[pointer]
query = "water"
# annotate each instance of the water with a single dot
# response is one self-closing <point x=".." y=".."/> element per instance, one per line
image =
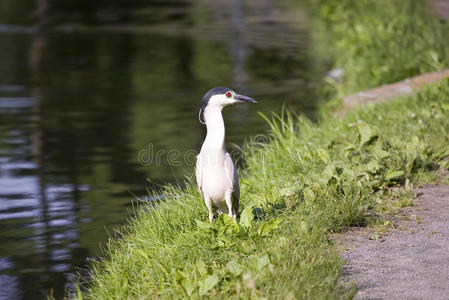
<point x="100" y="101"/>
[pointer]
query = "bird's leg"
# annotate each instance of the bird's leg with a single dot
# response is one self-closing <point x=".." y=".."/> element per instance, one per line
<point x="228" y="198"/>
<point x="208" y="202"/>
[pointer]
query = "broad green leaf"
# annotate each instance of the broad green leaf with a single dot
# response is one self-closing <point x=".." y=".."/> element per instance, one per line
<point x="373" y="166"/>
<point x="188" y="286"/>
<point x="366" y="133"/>
<point x="178" y="274"/>
<point x="309" y="195"/>
<point x="234" y="267"/>
<point x="413" y="147"/>
<point x="205" y="226"/>
<point x="227" y="225"/>
<point x="262" y="262"/>
<point x="330" y="174"/>
<point x="349" y="173"/>
<point x="393" y="174"/>
<point x="433" y="55"/>
<point x="415" y="140"/>
<point x="208" y="283"/>
<point x="290" y="196"/>
<point x="324" y="155"/>
<point x="201" y="267"/>
<point x="247" y="247"/>
<point x="350" y="148"/>
<point x="290" y="202"/>
<point x="223" y="241"/>
<point x="247" y="216"/>
<point x="268" y="226"/>
<point x="380" y="153"/>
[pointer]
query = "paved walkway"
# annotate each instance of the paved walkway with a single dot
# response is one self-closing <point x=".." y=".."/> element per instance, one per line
<point x="412" y="260"/>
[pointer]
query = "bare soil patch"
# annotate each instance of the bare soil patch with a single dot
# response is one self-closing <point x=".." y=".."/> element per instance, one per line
<point x="411" y="261"/>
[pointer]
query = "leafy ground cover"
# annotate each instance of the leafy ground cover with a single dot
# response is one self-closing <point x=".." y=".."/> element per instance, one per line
<point x="309" y="180"/>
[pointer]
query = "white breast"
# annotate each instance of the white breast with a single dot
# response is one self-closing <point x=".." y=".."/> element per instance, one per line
<point x="215" y="182"/>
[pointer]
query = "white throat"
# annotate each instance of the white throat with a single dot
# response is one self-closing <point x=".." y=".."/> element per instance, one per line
<point x="215" y="137"/>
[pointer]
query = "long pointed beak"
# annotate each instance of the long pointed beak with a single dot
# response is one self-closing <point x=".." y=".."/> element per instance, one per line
<point x="243" y="98"/>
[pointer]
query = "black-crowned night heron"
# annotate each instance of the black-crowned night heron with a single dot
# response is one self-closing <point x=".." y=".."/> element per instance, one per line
<point x="216" y="174"/>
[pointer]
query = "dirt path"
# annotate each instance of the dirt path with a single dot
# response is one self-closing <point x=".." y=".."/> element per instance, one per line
<point x="412" y="260"/>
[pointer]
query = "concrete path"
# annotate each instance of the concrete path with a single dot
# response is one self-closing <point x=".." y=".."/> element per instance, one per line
<point x="412" y="260"/>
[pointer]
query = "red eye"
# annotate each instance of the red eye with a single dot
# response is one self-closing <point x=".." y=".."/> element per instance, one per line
<point x="228" y="94"/>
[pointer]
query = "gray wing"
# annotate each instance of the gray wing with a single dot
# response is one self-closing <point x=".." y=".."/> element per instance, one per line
<point x="231" y="174"/>
<point x="199" y="175"/>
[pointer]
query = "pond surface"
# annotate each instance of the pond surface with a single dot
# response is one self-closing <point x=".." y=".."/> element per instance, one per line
<point x="96" y="98"/>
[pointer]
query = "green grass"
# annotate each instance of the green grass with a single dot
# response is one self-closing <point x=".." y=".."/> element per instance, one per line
<point x="308" y="181"/>
<point x="381" y="41"/>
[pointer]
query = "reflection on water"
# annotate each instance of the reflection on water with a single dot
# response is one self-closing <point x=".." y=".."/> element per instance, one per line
<point x="87" y="88"/>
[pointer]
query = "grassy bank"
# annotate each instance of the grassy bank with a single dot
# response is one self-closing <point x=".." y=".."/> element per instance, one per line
<point x="378" y="42"/>
<point x="309" y="180"/>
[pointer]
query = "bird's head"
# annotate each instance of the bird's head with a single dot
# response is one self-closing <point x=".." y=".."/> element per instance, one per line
<point x="220" y="97"/>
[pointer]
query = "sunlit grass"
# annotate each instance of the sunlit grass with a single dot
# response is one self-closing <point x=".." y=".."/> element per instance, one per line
<point x="309" y="180"/>
<point x="382" y="41"/>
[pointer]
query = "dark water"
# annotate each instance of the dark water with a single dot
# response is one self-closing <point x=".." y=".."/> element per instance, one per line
<point x="99" y="100"/>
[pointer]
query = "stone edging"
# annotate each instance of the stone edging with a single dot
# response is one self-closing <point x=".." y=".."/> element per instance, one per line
<point x="393" y="90"/>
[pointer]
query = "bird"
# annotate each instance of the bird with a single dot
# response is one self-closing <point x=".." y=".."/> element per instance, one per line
<point x="216" y="174"/>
